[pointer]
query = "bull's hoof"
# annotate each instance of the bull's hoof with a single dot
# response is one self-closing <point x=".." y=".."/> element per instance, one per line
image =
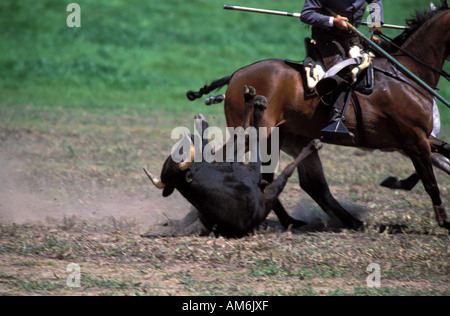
<point x="316" y="144"/>
<point x="260" y="102"/>
<point x="249" y="92"/>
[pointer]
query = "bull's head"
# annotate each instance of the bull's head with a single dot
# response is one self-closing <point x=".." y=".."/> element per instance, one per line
<point x="172" y="172"/>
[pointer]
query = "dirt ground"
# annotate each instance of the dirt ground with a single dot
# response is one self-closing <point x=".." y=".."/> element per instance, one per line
<point x="72" y="191"/>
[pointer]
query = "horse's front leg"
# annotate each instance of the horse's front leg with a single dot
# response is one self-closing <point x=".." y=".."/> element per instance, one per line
<point x="312" y="180"/>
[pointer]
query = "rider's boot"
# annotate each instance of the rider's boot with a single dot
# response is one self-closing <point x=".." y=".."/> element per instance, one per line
<point x="336" y="131"/>
<point x="337" y="107"/>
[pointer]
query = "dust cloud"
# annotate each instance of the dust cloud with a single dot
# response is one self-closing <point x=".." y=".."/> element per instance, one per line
<point x="22" y="203"/>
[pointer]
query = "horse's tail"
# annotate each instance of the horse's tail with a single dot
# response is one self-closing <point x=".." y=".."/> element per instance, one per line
<point x="216" y="84"/>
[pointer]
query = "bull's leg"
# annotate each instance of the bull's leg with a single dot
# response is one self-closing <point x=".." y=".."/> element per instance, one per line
<point x="272" y="189"/>
<point x="420" y="154"/>
<point x="312" y="180"/>
<point x="249" y="96"/>
<point x="249" y="101"/>
<point x="260" y="105"/>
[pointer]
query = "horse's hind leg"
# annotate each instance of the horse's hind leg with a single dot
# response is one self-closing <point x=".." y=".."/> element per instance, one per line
<point x="441" y="154"/>
<point x="440" y="158"/>
<point x="420" y="155"/>
<point x="407" y="184"/>
<point x="312" y="180"/>
<point x="441" y="162"/>
<point x="439" y="146"/>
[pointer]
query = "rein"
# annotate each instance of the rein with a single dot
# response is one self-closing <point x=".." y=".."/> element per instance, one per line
<point x="395" y="74"/>
<point x="390" y="41"/>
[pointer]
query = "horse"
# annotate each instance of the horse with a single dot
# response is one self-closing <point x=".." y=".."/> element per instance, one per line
<point x="396" y="116"/>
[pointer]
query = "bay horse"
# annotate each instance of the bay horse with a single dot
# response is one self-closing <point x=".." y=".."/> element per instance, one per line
<point x="397" y="115"/>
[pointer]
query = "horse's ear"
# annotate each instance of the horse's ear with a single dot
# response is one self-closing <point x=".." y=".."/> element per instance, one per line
<point x="432" y="6"/>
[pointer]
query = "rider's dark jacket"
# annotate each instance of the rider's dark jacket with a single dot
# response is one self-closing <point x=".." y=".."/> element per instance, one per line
<point x="315" y="14"/>
<point x="332" y="42"/>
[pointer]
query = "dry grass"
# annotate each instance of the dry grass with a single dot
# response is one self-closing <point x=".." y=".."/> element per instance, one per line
<point x="34" y="261"/>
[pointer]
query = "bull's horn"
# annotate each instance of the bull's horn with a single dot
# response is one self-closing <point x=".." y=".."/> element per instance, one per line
<point x="156" y="182"/>
<point x="184" y="165"/>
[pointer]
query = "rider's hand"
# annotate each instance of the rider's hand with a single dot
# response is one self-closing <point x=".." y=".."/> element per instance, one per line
<point x="376" y="40"/>
<point x="377" y="30"/>
<point x="340" y="22"/>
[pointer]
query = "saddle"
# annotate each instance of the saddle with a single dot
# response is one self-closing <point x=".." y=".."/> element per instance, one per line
<point x="329" y="81"/>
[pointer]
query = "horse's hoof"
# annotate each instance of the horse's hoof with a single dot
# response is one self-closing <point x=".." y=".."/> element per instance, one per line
<point x="297" y="224"/>
<point x="357" y="225"/>
<point x="445" y="224"/>
<point x="390" y="182"/>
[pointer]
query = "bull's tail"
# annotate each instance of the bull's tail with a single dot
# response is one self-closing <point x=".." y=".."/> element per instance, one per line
<point x="216" y="84"/>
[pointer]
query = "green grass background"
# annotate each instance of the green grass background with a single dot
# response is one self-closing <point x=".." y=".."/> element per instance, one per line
<point x="145" y="54"/>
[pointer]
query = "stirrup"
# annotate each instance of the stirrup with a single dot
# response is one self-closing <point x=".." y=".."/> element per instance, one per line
<point x="337" y="133"/>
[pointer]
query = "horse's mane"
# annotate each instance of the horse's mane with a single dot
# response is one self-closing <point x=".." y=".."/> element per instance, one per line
<point x="415" y="22"/>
